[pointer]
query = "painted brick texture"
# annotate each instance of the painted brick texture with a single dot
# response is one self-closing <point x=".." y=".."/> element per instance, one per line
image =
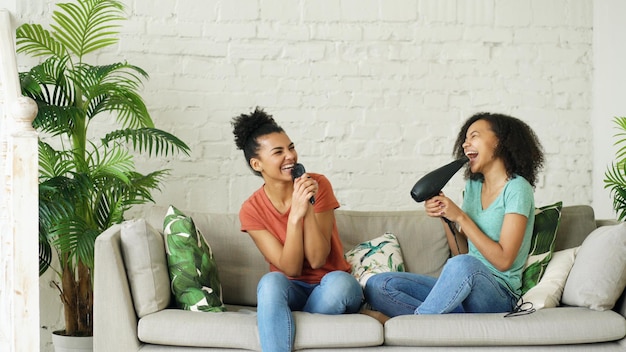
<point x="372" y="92"/>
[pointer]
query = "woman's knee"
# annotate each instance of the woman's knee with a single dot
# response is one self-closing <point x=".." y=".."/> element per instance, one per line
<point x="463" y="265"/>
<point x="340" y="281"/>
<point x="272" y="282"/>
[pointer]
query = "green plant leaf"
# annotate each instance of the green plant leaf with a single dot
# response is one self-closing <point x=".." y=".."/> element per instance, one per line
<point x="615" y="175"/>
<point x="33" y="39"/>
<point x="88" y="25"/>
<point x="150" y="140"/>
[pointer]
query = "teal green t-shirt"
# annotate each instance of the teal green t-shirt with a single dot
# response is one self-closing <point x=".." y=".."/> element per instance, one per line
<point x="516" y="197"/>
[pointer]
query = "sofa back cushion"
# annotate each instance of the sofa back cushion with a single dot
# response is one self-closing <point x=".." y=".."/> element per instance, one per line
<point x="146" y="266"/>
<point x="240" y="264"/>
<point x="422" y="240"/>
<point x="577" y="221"/>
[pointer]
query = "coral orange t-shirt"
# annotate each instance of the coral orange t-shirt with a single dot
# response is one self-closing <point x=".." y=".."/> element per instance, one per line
<point x="258" y="213"/>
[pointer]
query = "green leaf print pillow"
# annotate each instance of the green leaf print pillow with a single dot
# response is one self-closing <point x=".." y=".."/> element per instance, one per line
<point x="193" y="271"/>
<point x="379" y="255"/>
<point x="547" y="221"/>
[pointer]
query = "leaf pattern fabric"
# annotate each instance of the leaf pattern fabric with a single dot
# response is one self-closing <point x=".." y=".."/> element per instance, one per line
<point x="193" y="271"/>
<point x="381" y="254"/>
<point x="547" y="221"/>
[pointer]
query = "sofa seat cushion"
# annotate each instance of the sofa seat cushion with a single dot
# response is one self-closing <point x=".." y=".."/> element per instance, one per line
<point x="550" y="326"/>
<point x="177" y="327"/>
<point x="236" y="328"/>
<point x="336" y="331"/>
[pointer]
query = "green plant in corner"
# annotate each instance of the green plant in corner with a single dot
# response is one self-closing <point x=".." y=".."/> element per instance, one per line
<point x="615" y="176"/>
<point x="86" y="182"/>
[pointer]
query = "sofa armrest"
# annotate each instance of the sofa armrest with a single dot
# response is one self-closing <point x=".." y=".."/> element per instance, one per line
<point x="606" y="222"/>
<point x="114" y="320"/>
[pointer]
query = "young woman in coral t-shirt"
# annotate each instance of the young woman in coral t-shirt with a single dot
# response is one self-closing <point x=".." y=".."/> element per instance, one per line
<point x="298" y="237"/>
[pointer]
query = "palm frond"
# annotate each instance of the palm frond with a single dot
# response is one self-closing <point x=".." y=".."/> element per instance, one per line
<point x="615" y="175"/>
<point x="45" y="253"/>
<point x="621" y="141"/>
<point x="110" y="162"/>
<point x="50" y="74"/>
<point x="53" y="163"/>
<point x="117" y="197"/>
<point x="65" y="235"/>
<point x="114" y="88"/>
<point x="33" y="39"/>
<point x="48" y="84"/>
<point x="149" y="140"/>
<point x="56" y="120"/>
<point x="615" y="181"/>
<point x="85" y="245"/>
<point x="88" y="25"/>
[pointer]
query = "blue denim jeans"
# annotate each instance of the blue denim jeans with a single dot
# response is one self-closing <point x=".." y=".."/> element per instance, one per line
<point x="277" y="296"/>
<point x="465" y="285"/>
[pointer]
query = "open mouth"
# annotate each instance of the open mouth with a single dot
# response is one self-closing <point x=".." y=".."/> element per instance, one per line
<point x="471" y="155"/>
<point x="287" y="167"/>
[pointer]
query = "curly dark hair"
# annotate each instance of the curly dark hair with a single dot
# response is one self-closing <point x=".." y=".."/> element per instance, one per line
<point x="248" y="127"/>
<point x="518" y="146"/>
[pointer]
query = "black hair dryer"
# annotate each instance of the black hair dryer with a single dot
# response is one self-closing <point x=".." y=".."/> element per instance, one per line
<point x="432" y="183"/>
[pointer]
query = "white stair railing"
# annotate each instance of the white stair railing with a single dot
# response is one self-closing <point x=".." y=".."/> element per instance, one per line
<point x="19" y="264"/>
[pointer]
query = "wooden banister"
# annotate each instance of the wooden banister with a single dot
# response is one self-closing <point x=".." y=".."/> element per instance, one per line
<point x="19" y="264"/>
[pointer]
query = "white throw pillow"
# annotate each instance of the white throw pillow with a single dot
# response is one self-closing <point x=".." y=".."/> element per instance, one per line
<point x="382" y="254"/>
<point x="598" y="276"/>
<point x="146" y="266"/>
<point x="547" y="293"/>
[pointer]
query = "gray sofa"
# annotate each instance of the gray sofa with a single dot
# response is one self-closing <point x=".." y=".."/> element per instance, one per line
<point x="118" y="328"/>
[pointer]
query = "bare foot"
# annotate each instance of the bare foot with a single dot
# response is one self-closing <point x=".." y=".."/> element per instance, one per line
<point x="376" y="315"/>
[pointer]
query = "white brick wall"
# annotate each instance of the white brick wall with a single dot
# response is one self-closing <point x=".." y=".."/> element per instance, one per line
<point x="372" y="92"/>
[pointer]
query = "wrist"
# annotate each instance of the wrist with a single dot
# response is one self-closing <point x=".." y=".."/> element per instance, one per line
<point x="295" y="220"/>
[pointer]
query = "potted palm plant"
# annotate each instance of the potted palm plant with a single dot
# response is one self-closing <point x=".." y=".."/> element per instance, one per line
<point x="86" y="182"/>
<point x="615" y="176"/>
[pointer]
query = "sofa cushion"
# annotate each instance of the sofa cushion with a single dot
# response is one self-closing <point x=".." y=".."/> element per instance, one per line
<point x="193" y="271"/>
<point x="547" y="293"/>
<point x="237" y="329"/>
<point x="146" y="266"/>
<point x="547" y="221"/>
<point x="598" y="276"/>
<point x="175" y="327"/>
<point x="552" y="326"/>
<point x="381" y="254"/>
<point x="577" y="221"/>
<point x="321" y="331"/>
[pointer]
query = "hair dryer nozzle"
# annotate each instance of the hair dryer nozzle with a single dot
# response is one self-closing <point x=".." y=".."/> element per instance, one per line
<point x="432" y="183"/>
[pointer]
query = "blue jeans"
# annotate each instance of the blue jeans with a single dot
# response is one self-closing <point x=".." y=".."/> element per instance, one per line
<point x="465" y="285"/>
<point x="277" y="296"/>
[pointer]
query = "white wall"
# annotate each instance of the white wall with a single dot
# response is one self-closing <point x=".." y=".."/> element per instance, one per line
<point x="372" y="92"/>
<point x="609" y="53"/>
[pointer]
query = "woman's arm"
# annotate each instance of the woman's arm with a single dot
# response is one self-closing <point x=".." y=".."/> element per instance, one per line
<point x="433" y="208"/>
<point x="458" y="243"/>
<point x="314" y="247"/>
<point x="289" y="257"/>
<point x="500" y="254"/>
<point x="318" y="229"/>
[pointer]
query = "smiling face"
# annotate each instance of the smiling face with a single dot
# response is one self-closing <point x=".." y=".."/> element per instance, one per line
<point x="276" y="156"/>
<point x="479" y="146"/>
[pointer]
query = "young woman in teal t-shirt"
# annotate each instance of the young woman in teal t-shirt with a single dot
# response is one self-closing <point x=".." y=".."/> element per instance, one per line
<point x="495" y="227"/>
